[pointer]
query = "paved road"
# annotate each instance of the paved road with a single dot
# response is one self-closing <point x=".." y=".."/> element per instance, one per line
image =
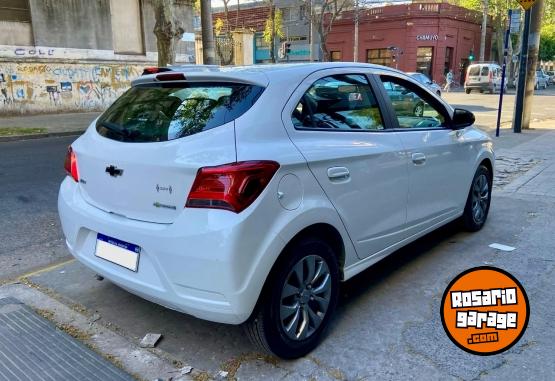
<point x="485" y="106"/>
<point x="30" y="174"/>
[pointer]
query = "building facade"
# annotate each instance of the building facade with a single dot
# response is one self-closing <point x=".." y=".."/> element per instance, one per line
<point x="296" y="29"/>
<point x="76" y="55"/>
<point x="430" y="38"/>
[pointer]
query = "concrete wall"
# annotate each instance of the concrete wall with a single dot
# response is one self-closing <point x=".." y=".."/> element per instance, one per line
<point x="16" y="33"/>
<point x="35" y="87"/>
<point x="83" y="24"/>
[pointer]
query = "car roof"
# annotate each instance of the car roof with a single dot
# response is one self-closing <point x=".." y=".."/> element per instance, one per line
<point x="258" y="74"/>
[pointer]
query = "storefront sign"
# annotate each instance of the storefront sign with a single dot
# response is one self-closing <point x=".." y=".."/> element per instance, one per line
<point x="427" y="37"/>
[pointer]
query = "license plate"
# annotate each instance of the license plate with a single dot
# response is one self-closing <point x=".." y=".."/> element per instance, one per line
<point x="116" y="251"/>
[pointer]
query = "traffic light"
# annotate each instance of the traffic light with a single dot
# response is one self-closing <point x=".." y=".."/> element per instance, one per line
<point x="287" y="48"/>
<point x="471" y="56"/>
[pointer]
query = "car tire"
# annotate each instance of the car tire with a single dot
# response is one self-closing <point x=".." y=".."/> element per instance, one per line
<point x="438" y="93"/>
<point x="467" y="91"/>
<point x="478" y="201"/>
<point x="419" y="109"/>
<point x="313" y="307"/>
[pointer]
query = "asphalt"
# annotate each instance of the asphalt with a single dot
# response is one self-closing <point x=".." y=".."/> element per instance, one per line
<point x="30" y="175"/>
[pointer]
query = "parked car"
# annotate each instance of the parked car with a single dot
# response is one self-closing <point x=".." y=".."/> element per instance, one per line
<point x="246" y="195"/>
<point x="425" y="80"/>
<point x="551" y="75"/>
<point x="541" y="81"/>
<point x="483" y="77"/>
<point x="403" y="101"/>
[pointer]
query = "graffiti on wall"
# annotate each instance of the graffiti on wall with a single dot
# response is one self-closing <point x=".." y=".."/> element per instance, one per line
<point x="44" y="87"/>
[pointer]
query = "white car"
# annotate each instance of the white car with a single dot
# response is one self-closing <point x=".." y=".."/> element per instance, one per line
<point x="246" y="195"/>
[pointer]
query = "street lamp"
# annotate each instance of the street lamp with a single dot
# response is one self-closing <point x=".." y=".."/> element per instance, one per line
<point x="395" y="53"/>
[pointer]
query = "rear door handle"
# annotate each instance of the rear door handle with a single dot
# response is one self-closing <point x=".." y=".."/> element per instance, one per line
<point x="338" y="173"/>
<point x="418" y="158"/>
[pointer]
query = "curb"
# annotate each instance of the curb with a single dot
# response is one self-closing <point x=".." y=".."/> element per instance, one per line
<point x="13" y="138"/>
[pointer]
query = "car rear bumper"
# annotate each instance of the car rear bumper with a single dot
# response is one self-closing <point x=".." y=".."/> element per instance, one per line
<point x="203" y="264"/>
<point x="479" y="86"/>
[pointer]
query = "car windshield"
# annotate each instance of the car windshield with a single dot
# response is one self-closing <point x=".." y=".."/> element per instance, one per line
<point x="161" y="112"/>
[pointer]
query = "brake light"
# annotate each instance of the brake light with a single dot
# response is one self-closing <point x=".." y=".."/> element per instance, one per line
<point x="232" y="186"/>
<point x="70" y="164"/>
<point x="170" y="77"/>
<point x="154" y="70"/>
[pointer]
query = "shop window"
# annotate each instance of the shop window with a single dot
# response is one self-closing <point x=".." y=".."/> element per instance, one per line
<point x="335" y="56"/>
<point x="424" y="59"/>
<point x="379" y="56"/>
<point x="127" y="31"/>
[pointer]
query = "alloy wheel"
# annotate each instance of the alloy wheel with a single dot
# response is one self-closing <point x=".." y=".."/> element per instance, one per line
<point x="305" y="297"/>
<point x="480" y="198"/>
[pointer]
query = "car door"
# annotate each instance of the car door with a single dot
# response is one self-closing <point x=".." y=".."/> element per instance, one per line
<point x="335" y="121"/>
<point x="438" y="157"/>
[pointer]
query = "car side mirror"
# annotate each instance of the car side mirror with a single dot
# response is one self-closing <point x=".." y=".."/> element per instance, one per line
<point x="462" y="118"/>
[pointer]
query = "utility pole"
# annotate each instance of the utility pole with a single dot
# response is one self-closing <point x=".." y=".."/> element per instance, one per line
<point x="355" y="47"/>
<point x="208" y="45"/>
<point x="533" y="50"/>
<point x="484" y="30"/>
<point x="311" y="37"/>
<point x="519" y="102"/>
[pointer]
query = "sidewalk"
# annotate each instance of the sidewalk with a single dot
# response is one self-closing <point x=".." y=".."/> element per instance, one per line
<point x="44" y="125"/>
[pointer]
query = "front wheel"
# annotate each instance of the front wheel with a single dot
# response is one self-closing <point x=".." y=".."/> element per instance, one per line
<point x="298" y="300"/>
<point x="478" y="201"/>
<point x="467" y="91"/>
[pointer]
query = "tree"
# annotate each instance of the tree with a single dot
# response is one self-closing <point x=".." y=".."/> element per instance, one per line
<point x="208" y="45"/>
<point x="273" y="28"/>
<point x="547" y="43"/>
<point x="168" y="30"/>
<point x="322" y="18"/>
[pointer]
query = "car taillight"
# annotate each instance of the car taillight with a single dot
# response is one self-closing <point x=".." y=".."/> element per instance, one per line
<point x="230" y="186"/>
<point x="490" y="77"/>
<point x="70" y="164"/>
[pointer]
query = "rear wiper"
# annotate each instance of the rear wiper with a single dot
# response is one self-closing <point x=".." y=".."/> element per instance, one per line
<point x="112" y="127"/>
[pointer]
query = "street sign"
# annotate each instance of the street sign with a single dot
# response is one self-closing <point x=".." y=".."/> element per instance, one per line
<point x="526" y="4"/>
<point x="515" y="21"/>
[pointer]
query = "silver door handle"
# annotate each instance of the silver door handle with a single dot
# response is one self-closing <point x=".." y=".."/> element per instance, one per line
<point x="418" y="158"/>
<point x="338" y="173"/>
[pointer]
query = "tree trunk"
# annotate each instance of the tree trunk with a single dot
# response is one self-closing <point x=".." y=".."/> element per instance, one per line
<point x="168" y="31"/>
<point x="323" y="36"/>
<point x="208" y="46"/>
<point x="272" y="17"/>
<point x="533" y="50"/>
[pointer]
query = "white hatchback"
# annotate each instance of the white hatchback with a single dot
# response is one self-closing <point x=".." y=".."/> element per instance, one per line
<point x="246" y="195"/>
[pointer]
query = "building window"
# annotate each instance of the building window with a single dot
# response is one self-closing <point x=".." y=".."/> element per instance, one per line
<point x="127" y="30"/>
<point x="335" y="56"/>
<point x="15" y="10"/>
<point x="424" y="59"/>
<point x="379" y="56"/>
<point x="15" y="23"/>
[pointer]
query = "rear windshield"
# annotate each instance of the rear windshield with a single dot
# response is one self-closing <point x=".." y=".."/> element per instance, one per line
<point x="161" y="112"/>
<point x="474" y="70"/>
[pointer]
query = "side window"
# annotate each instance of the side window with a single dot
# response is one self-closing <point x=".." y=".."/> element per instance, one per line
<point x="411" y="105"/>
<point x="343" y="102"/>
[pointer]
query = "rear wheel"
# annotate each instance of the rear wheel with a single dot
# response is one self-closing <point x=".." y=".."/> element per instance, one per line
<point x="419" y="109"/>
<point x="467" y="91"/>
<point x="478" y="201"/>
<point x="298" y="301"/>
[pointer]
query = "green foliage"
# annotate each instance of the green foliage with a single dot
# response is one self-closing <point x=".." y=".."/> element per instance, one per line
<point x="547" y="43"/>
<point x="218" y="26"/>
<point x="273" y="28"/>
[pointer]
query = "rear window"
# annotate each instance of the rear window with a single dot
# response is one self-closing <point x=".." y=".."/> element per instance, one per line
<point x="474" y="70"/>
<point x="168" y="111"/>
<point x="485" y="71"/>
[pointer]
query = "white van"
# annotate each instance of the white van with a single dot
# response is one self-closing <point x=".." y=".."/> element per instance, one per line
<point x="483" y="77"/>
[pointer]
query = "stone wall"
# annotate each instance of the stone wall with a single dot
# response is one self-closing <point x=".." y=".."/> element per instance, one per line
<point x="40" y="87"/>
